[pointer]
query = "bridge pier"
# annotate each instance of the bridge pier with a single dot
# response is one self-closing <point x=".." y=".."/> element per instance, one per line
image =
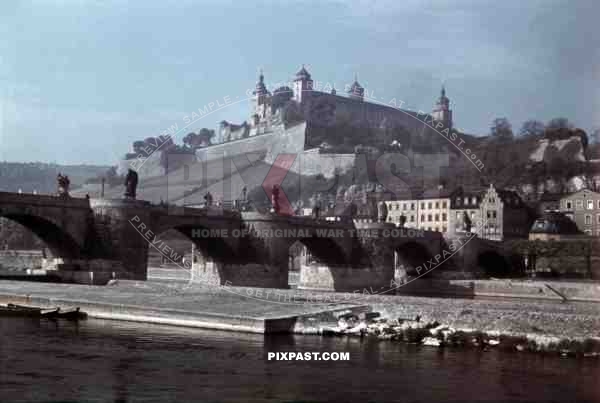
<point x="123" y="228"/>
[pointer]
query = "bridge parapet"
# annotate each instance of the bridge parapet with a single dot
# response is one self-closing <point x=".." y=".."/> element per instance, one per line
<point x="43" y="200"/>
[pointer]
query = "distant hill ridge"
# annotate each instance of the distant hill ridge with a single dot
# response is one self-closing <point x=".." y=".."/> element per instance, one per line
<point x="41" y="177"/>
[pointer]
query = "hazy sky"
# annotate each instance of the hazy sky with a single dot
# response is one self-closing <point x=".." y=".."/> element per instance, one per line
<point x="80" y="80"/>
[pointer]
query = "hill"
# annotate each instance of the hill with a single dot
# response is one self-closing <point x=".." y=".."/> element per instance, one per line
<point x="41" y="177"/>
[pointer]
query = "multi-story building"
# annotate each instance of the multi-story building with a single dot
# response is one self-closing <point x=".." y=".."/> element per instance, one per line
<point x="583" y="207"/>
<point x="491" y="213"/>
<point x="429" y="211"/>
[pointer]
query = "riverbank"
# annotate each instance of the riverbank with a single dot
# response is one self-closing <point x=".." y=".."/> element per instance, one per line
<point x="542" y="325"/>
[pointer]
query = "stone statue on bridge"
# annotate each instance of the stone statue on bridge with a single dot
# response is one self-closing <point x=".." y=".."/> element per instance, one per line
<point x="131" y="182"/>
<point x="315" y="202"/>
<point x="63" y="185"/>
<point x="275" y="199"/>
<point x="208" y="199"/>
<point x="382" y="211"/>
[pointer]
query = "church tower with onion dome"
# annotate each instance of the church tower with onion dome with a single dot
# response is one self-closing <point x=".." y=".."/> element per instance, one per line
<point x="442" y="112"/>
<point x="262" y="110"/>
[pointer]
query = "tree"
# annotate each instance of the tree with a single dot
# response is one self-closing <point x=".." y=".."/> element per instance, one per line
<point x="201" y="139"/>
<point x="532" y="128"/>
<point x="559" y="123"/>
<point x="502" y="129"/>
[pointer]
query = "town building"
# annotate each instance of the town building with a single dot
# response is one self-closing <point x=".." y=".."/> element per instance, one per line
<point x="494" y="214"/>
<point x="429" y="211"/>
<point x="583" y="207"/>
<point x="553" y="226"/>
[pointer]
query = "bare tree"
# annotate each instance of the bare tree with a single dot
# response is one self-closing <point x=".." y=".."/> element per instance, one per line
<point x="560" y="123"/>
<point x="532" y="128"/>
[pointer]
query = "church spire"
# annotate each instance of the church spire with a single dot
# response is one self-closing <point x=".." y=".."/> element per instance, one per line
<point x="260" y="88"/>
<point x="442" y="112"/>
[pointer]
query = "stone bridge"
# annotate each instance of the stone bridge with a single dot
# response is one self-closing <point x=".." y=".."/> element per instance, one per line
<point x="93" y="240"/>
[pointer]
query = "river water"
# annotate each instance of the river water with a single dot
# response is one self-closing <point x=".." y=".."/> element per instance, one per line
<point x="109" y="361"/>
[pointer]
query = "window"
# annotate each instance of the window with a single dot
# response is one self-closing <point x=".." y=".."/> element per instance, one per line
<point x="445" y="217"/>
<point x="472" y="214"/>
<point x="403" y="206"/>
<point x="437" y="217"/>
<point x="412" y="218"/>
<point x="579" y="204"/>
<point x="458" y="215"/>
<point x="429" y="205"/>
<point x="445" y="205"/>
<point x="599" y="204"/>
<point x="423" y="205"/>
<point x="429" y="217"/>
<point x="474" y="200"/>
<point x="569" y="204"/>
<point x="457" y="201"/>
<point x="590" y="204"/>
<point x="598" y="218"/>
<point x="437" y="204"/>
<point x="466" y="200"/>
<point x="412" y="206"/>
<point x="588" y="219"/>
<point x="422" y="217"/>
<point x="444" y="229"/>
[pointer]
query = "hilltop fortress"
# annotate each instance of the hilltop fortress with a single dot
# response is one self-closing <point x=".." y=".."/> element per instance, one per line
<point x="326" y="109"/>
<point x="301" y="120"/>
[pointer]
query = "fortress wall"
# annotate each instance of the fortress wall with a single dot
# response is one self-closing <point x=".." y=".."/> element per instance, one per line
<point x="278" y="141"/>
<point x="367" y="113"/>
<point x="311" y="163"/>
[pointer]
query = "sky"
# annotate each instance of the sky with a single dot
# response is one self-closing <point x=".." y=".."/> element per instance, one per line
<point x="81" y="80"/>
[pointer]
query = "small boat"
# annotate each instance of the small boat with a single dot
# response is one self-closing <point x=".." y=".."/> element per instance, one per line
<point x="15" y="310"/>
<point x="74" y="314"/>
<point x="52" y="313"/>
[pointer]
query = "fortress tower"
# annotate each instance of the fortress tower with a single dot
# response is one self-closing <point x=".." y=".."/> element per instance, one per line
<point x="261" y="100"/>
<point x="303" y="85"/>
<point x="356" y="91"/>
<point x="442" y="112"/>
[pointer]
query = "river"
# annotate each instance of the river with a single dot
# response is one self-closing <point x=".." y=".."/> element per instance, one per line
<point x="109" y="361"/>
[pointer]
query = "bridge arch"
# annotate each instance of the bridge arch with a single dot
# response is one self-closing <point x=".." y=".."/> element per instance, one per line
<point x="412" y="259"/>
<point x="171" y="246"/>
<point x="322" y="250"/>
<point x="60" y="242"/>
<point x="493" y="264"/>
